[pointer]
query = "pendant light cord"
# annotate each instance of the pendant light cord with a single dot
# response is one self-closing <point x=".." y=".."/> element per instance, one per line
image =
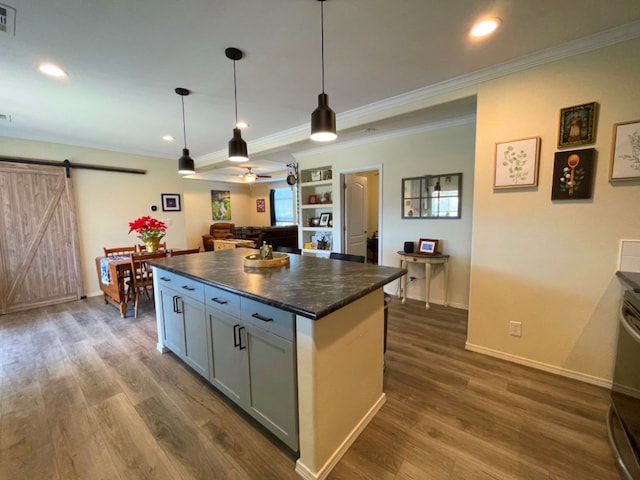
<point x="322" y="38"/>
<point x="184" y="125"/>
<point x="235" y="92"/>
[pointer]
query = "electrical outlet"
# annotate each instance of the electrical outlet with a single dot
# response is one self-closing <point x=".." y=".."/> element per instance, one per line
<point x="515" y="329"/>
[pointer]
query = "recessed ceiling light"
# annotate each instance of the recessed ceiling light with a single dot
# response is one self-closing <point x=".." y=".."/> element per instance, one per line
<point x="168" y="138"/>
<point x="242" y="125"/>
<point x="485" y="27"/>
<point x="52" y="70"/>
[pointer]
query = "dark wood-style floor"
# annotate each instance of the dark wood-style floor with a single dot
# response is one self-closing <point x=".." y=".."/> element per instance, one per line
<point x="85" y="395"/>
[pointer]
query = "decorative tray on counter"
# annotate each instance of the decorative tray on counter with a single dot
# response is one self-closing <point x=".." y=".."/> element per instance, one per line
<point x="254" y="260"/>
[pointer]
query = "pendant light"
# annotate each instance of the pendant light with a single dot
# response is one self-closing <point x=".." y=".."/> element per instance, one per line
<point x="186" y="164"/>
<point x="237" y="146"/>
<point x="323" y="119"/>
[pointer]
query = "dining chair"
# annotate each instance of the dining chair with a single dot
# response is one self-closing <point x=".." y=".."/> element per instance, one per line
<point x="347" y="257"/>
<point x="186" y="251"/>
<point x="161" y="247"/>
<point x="142" y="276"/>
<point x="119" y="251"/>
<point x="283" y="249"/>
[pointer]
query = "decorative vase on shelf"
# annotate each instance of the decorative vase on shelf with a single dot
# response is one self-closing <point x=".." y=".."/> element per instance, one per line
<point x="152" y="244"/>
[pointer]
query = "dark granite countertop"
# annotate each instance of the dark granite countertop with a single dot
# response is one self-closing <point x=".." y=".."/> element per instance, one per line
<point x="631" y="278"/>
<point x="309" y="286"/>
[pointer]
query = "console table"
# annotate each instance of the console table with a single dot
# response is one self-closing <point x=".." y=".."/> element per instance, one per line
<point x="428" y="260"/>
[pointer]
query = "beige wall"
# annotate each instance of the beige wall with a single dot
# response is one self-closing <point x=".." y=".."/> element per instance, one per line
<point x="445" y="150"/>
<point x="551" y="265"/>
<point x="107" y="201"/>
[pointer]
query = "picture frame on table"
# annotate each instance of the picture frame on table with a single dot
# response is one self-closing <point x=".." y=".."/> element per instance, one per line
<point x="324" y="219"/>
<point x="428" y="246"/>
<point x="170" y="202"/>
<point x="517" y="163"/>
<point x="625" y="152"/>
<point x="577" y="125"/>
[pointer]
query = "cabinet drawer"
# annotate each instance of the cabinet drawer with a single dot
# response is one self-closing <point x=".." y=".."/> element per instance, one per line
<point x="269" y="318"/>
<point x="182" y="285"/>
<point x="222" y="300"/>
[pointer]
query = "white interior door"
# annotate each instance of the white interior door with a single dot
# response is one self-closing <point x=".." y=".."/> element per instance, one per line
<point x="355" y="214"/>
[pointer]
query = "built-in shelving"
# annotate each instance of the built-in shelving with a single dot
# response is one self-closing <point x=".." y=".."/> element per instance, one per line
<point x="316" y="210"/>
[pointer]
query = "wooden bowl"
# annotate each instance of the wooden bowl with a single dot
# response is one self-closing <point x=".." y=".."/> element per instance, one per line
<point x="278" y="260"/>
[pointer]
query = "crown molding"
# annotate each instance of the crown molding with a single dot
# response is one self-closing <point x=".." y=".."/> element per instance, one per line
<point x="379" y="110"/>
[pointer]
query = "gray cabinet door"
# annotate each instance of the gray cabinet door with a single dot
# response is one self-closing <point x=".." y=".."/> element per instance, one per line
<point x="172" y="322"/>
<point x="196" y="351"/>
<point x="273" y="388"/>
<point x="230" y="371"/>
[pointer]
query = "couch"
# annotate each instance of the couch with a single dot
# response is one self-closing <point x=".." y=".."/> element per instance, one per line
<point x="286" y="236"/>
<point x="217" y="231"/>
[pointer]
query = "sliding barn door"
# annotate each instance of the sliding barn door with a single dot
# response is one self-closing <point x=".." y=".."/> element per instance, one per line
<point x="39" y="248"/>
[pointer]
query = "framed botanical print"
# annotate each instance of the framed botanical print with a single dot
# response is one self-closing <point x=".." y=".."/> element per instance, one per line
<point x="516" y="163"/>
<point x="625" y="151"/>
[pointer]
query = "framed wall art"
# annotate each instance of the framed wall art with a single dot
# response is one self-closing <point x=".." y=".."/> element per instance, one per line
<point x="625" y="151"/>
<point x="428" y="246"/>
<point x="260" y="205"/>
<point x="220" y="205"/>
<point x="170" y="202"/>
<point x="517" y="163"/>
<point x="577" y="125"/>
<point x="573" y="173"/>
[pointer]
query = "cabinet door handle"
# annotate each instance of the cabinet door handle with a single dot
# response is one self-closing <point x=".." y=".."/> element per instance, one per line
<point x="187" y="287"/>
<point x="263" y="318"/>
<point x="240" y="338"/>
<point x="236" y="342"/>
<point x="179" y="304"/>
<point x="175" y="304"/>
<point x="217" y="300"/>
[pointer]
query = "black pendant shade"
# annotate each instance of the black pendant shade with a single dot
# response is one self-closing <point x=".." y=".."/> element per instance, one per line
<point x="323" y="119"/>
<point x="237" y="146"/>
<point x="186" y="165"/>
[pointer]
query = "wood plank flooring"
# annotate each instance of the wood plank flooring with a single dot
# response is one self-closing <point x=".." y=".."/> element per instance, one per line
<point x="85" y="395"/>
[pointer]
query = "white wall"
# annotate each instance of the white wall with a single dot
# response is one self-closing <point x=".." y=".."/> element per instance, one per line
<point x="551" y="265"/>
<point x="445" y="150"/>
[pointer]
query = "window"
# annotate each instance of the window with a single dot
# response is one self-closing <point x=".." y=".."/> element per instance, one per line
<point x="284" y="206"/>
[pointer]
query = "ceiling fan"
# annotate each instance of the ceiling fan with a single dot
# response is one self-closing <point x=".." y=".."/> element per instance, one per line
<point x="251" y="176"/>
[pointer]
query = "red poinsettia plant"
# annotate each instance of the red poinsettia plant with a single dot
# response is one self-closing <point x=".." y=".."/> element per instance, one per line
<point x="147" y="228"/>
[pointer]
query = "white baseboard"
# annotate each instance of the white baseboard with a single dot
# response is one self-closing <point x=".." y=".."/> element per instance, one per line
<point x="583" y="377"/>
<point x="307" y="474"/>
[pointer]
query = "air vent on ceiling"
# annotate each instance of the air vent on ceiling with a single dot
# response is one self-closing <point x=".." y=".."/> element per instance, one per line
<point x="7" y="19"/>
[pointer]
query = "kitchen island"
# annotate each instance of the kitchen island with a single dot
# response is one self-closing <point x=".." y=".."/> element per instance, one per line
<point x="317" y="321"/>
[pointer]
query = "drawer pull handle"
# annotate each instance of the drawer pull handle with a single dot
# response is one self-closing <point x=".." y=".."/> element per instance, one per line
<point x="217" y="300"/>
<point x="187" y="287"/>
<point x="260" y="317"/>
<point x="165" y="279"/>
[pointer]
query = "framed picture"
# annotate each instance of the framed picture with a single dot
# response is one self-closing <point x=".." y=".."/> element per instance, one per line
<point x="313" y="199"/>
<point x="260" y="205"/>
<point x="577" y="125"/>
<point x="573" y="173"/>
<point x="428" y="246"/>
<point x="324" y="219"/>
<point x="170" y="202"/>
<point x="220" y="205"/>
<point x="316" y="175"/>
<point x="625" y="151"/>
<point x="516" y="163"/>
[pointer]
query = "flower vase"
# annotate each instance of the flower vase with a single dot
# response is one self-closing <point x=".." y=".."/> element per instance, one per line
<point x="151" y="244"/>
